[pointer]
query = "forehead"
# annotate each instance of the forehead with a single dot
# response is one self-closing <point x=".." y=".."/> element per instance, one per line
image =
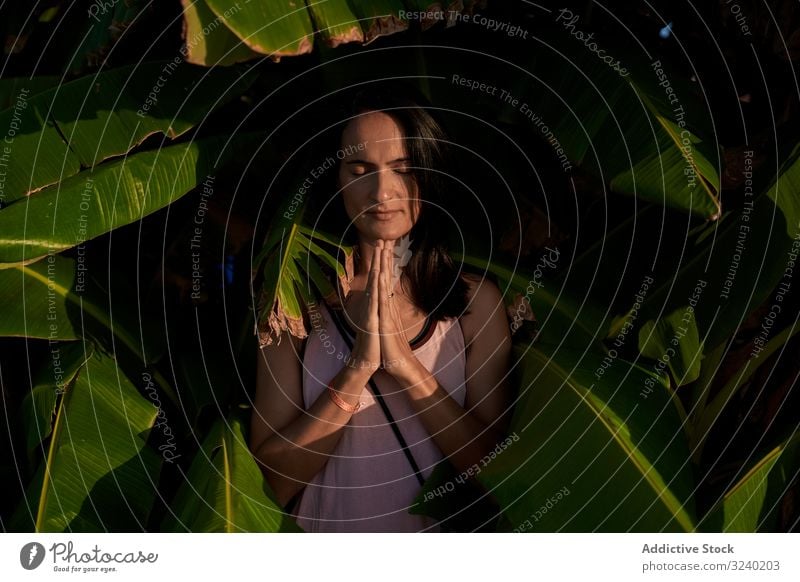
<point x="381" y="136"/>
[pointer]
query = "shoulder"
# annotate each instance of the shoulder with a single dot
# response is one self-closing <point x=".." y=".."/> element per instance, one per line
<point x="481" y="291"/>
<point x="282" y="345"/>
<point x="485" y="308"/>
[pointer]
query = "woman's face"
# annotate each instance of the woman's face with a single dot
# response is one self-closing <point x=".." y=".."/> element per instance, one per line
<point x="379" y="191"/>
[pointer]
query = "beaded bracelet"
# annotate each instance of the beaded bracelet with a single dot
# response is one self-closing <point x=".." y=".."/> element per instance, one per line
<point x="337" y="400"/>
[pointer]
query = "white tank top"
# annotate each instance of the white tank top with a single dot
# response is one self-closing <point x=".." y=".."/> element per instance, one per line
<point x="368" y="484"/>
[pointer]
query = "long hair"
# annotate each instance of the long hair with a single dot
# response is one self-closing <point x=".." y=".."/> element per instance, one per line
<point x="434" y="281"/>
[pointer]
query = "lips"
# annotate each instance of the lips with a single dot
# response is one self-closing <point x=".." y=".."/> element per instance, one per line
<point x="382" y="214"/>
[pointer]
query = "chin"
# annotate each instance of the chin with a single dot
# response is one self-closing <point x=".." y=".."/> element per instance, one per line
<point x="386" y="231"/>
<point x="392" y="232"/>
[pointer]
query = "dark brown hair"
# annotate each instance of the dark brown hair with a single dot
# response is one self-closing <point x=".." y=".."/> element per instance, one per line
<point x="434" y="281"/>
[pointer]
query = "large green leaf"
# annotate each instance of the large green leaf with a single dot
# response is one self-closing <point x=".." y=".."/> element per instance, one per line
<point x="270" y="27"/>
<point x="53" y="300"/>
<point x="35" y="300"/>
<point x="613" y="446"/>
<point x="225" y="490"/>
<point x="708" y="415"/>
<point x="38" y="408"/>
<point x="336" y="22"/>
<point x="290" y="263"/>
<point x="615" y="268"/>
<point x="98" y="473"/>
<point x="207" y="41"/>
<point x="111" y="195"/>
<point x="734" y="263"/>
<point x="21" y="88"/>
<point x="741" y="264"/>
<point x="78" y="124"/>
<point x="752" y="504"/>
<point x="783" y="191"/>
<point x="379" y="17"/>
<point x="562" y="317"/>
<point x="674" y="343"/>
<point x="227" y="31"/>
<point x="622" y="128"/>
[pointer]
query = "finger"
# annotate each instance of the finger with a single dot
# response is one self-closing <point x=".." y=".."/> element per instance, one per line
<point x="382" y="290"/>
<point x="386" y="273"/>
<point x="390" y="316"/>
<point x="372" y="282"/>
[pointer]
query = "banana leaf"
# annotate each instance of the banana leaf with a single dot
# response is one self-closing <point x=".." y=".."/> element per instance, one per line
<point x="621" y="128"/>
<point x="753" y="503"/>
<point x="111" y="195"/>
<point x="379" y="17"/>
<point x="290" y="266"/>
<point x="695" y="255"/>
<point x="35" y="300"/>
<point x="225" y="490"/>
<point x="674" y="339"/>
<point x="292" y="276"/>
<point x="711" y="412"/>
<point x="562" y="318"/>
<point x="50" y="300"/>
<point x="77" y="125"/>
<point x="271" y="27"/>
<point x="13" y="88"/>
<point x="728" y="299"/>
<point x="613" y="447"/>
<point x="336" y="22"/>
<point x="214" y="29"/>
<point x="38" y="408"/>
<point x="98" y="473"/>
<point x="207" y="42"/>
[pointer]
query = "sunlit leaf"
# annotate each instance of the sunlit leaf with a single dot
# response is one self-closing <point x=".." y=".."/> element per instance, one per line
<point x="613" y="446"/>
<point x="98" y="472"/>
<point x="674" y="340"/>
<point x="225" y="490"/>
<point x="78" y="124"/>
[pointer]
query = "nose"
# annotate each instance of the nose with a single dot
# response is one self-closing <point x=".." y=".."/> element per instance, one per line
<point x="383" y="186"/>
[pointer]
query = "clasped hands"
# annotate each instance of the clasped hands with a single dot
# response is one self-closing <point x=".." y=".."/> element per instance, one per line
<point x="381" y="341"/>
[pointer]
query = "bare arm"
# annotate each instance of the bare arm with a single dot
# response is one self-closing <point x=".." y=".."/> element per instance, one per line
<point x="292" y="445"/>
<point x="466" y="435"/>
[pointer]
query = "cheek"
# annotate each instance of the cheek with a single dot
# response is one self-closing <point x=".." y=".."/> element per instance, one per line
<point x="414" y="203"/>
<point x="351" y="198"/>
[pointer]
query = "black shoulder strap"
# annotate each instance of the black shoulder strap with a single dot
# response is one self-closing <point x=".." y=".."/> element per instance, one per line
<point x="379" y="397"/>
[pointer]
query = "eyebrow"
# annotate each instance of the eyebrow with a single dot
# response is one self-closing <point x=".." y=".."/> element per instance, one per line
<point x="360" y="161"/>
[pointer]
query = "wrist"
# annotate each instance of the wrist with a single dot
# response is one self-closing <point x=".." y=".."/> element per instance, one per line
<point x="354" y="374"/>
<point x="343" y="400"/>
<point x="355" y="362"/>
<point x="408" y="371"/>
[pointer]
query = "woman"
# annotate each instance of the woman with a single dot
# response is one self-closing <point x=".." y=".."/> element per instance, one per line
<point x="320" y="434"/>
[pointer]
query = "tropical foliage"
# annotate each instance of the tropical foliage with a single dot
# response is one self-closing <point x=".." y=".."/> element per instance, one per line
<point x="149" y="225"/>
